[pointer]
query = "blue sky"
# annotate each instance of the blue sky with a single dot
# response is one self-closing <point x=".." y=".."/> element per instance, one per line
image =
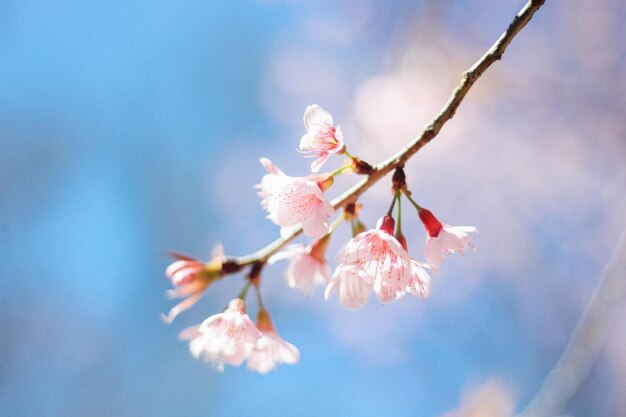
<point x="128" y="129"/>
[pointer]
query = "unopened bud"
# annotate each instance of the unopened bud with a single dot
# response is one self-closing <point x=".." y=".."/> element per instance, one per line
<point x="351" y="211"/>
<point x="325" y="181"/>
<point x="360" y="227"/>
<point x="318" y="249"/>
<point x="264" y="322"/>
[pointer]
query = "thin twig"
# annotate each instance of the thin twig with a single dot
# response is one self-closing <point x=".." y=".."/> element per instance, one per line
<point x="429" y="133"/>
<point x="586" y="342"/>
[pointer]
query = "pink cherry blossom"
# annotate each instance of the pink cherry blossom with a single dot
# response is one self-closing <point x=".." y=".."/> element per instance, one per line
<point x="296" y="201"/>
<point x="307" y="265"/>
<point x="270" y="350"/>
<point x="419" y="281"/>
<point x="443" y="239"/>
<point x="226" y="337"/>
<point x="190" y="279"/>
<point x="271" y="185"/>
<point x="352" y="285"/>
<point x="322" y="138"/>
<point x="372" y="259"/>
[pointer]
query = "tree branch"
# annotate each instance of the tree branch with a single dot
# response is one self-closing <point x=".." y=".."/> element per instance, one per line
<point x="429" y="133"/>
<point x="586" y="342"/>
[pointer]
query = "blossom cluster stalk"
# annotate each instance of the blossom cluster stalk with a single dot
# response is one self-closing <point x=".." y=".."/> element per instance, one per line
<point x="373" y="261"/>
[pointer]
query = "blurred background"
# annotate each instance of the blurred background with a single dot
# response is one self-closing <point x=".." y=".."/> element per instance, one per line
<point x="128" y="129"/>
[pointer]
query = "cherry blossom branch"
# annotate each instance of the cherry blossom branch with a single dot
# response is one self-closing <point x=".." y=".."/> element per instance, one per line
<point x="429" y="133"/>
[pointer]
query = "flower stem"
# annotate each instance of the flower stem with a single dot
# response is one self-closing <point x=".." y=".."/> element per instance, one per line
<point x="399" y="222"/>
<point x="417" y="206"/>
<point x="259" y="298"/>
<point x="244" y="291"/>
<point x="393" y="203"/>
<point x="339" y="170"/>
<point x="353" y="226"/>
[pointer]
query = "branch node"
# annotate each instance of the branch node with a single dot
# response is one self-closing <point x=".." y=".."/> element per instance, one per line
<point x="361" y="167"/>
<point x="231" y="266"/>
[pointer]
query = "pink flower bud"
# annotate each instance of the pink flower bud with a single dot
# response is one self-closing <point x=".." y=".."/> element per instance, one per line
<point x="190" y="278"/>
<point x="183" y="271"/>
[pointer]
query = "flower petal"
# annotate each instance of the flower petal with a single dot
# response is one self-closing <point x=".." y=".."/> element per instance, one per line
<point x="419" y="284"/>
<point x="319" y="162"/>
<point x="218" y="251"/>
<point x="180" y="307"/>
<point x="351" y="285"/>
<point x="270" y="167"/>
<point x="315" y="116"/>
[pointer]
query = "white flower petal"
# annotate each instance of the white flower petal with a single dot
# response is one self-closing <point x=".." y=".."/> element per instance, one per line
<point x="319" y="162"/>
<point x="351" y="285"/>
<point x="315" y="116"/>
<point x="270" y="167"/>
<point x="419" y="284"/>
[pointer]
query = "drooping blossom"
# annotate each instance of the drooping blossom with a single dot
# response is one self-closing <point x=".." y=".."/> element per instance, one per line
<point x="296" y="201"/>
<point x="372" y="259"/>
<point x="322" y="139"/>
<point x="419" y="281"/>
<point x="307" y="264"/>
<point x="270" y="349"/>
<point x="352" y="285"/>
<point x="418" y="284"/>
<point x="190" y="279"/>
<point x="443" y="239"/>
<point x="226" y="337"/>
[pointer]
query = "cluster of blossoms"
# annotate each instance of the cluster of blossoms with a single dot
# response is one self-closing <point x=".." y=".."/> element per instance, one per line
<point x="374" y="260"/>
<point x="231" y="337"/>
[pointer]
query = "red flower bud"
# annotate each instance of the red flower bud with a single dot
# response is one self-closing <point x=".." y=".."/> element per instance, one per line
<point x="432" y="225"/>
<point x="386" y="223"/>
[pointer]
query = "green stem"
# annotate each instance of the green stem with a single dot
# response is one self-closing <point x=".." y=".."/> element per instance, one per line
<point x="417" y="206"/>
<point x="399" y="222"/>
<point x="339" y="170"/>
<point x="348" y="154"/>
<point x="244" y="291"/>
